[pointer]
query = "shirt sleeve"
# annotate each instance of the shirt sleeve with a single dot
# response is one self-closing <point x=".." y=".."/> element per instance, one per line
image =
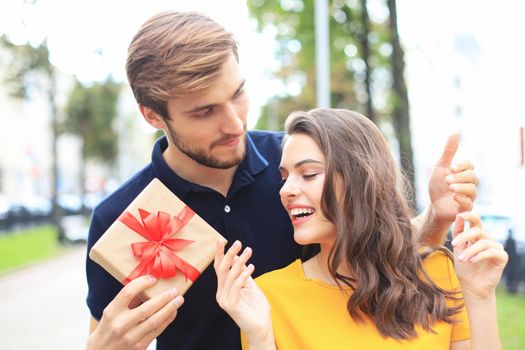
<point x="461" y="329"/>
<point x="102" y="287"/>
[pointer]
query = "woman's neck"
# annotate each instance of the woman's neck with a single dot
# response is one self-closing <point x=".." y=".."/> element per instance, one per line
<point x="317" y="267"/>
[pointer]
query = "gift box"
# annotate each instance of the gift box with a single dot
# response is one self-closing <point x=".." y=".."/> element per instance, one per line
<point x="157" y="235"/>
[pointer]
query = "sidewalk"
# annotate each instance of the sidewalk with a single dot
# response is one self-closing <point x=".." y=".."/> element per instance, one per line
<point x="43" y="306"/>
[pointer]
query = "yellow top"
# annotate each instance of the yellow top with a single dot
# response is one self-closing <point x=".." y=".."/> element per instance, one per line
<point x="310" y="314"/>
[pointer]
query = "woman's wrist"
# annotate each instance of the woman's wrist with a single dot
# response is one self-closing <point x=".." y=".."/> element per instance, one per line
<point x="478" y="300"/>
<point x="261" y="340"/>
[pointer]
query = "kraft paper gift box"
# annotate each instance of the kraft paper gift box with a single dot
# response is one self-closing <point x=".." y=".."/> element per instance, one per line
<point x="157" y="235"/>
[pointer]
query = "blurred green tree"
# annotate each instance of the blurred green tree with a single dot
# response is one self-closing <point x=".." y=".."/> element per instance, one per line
<point x="90" y="114"/>
<point x="366" y="64"/>
<point x="400" y="104"/>
<point x="30" y="68"/>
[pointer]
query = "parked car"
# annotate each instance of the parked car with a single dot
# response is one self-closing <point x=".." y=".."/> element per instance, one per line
<point x="500" y="225"/>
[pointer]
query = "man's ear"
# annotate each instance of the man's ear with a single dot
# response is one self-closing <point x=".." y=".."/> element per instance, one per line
<point x="152" y="117"/>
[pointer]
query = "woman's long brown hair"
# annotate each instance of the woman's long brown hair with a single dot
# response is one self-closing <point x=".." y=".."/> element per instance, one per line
<point x="364" y="200"/>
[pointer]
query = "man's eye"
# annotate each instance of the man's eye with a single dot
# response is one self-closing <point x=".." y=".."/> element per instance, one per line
<point x="206" y="113"/>
<point x="239" y="93"/>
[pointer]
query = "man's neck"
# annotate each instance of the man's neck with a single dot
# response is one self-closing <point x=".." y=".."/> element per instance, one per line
<point x="217" y="179"/>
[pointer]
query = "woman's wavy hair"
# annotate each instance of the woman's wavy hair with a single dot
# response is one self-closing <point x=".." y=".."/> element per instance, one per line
<point x="364" y="200"/>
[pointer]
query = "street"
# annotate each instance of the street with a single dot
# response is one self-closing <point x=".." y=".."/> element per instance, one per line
<point x="43" y="306"/>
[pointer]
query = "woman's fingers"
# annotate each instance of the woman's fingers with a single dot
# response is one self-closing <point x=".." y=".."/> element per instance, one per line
<point x="495" y="254"/>
<point x="470" y="236"/>
<point x="471" y="252"/>
<point x="237" y="267"/>
<point x="239" y="283"/>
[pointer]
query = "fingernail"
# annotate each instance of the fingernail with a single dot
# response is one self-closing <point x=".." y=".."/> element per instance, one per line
<point x="454" y="241"/>
<point x="152" y="279"/>
<point x="450" y="178"/>
<point x="236" y="243"/>
<point x="461" y="257"/>
<point x="454" y="187"/>
<point x="178" y="300"/>
<point x="174" y="292"/>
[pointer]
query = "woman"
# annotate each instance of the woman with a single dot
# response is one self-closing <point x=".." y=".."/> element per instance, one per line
<point x="370" y="286"/>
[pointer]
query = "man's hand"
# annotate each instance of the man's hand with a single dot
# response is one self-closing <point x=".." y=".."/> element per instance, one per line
<point x="127" y="324"/>
<point x="452" y="190"/>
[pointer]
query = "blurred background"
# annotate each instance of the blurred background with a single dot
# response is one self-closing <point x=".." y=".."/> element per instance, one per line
<point x="71" y="131"/>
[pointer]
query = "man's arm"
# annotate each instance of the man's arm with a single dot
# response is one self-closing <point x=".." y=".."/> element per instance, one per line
<point x="452" y="190"/>
<point x="128" y="324"/>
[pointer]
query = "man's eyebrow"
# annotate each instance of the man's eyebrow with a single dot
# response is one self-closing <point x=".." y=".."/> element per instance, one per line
<point x="211" y="105"/>
<point x="241" y="86"/>
<point x="303" y="162"/>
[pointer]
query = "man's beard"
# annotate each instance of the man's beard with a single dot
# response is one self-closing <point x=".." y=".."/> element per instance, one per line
<point x="204" y="158"/>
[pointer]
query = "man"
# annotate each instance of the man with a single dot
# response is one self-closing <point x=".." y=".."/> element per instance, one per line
<point x="183" y="70"/>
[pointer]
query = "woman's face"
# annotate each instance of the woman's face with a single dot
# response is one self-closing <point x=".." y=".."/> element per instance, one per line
<point x="303" y="172"/>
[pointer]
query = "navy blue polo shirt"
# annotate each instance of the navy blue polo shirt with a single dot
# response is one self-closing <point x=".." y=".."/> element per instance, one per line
<point x="251" y="212"/>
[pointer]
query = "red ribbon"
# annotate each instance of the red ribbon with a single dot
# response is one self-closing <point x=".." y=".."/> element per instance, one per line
<point x="157" y="256"/>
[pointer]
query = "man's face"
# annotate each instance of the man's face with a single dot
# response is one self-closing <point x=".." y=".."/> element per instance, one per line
<point x="209" y="126"/>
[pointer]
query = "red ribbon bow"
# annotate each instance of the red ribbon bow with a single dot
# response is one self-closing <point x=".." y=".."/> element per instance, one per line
<point x="157" y="256"/>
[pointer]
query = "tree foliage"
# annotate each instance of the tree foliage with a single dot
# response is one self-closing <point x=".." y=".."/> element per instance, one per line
<point x="30" y="68"/>
<point x="90" y="114"/>
<point x="366" y="63"/>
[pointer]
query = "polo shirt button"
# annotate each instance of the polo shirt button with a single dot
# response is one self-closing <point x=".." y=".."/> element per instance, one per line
<point x="227" y="208"/>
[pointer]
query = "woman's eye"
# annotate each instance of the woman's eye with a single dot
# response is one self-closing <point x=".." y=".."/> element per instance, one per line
<point x="283" y="180"/>
<point x="309" y="176"/>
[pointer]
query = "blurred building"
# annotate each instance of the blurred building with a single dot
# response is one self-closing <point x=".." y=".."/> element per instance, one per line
<point x="453" y="86"/>
<point x="25" y="156"/>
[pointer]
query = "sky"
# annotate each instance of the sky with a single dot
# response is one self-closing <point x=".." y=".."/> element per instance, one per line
<point x="461" y="55"/>
<point x="90" y="38"/>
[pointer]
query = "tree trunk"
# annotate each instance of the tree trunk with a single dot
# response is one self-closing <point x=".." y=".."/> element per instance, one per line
<point x="400" y="113"/>
<point x="365" y="55"/>
<point x="57" y="214"/>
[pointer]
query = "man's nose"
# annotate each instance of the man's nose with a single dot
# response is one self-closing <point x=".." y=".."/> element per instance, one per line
<point x="233" y="122"/>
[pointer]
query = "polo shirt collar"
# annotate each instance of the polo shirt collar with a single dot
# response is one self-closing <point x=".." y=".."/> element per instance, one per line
<point x="253" y="163"/>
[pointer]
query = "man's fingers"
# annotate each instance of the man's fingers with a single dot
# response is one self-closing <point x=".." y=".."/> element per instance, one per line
<point x="462" y="166"/>
<point x="131" y="291"/>
<point x="150" y="307"/>
<point x="450" y="150"/>
<point x="465" y="203"/>
<point x="466" y="176"/>
<point x="155" y="324"/>
<point x="469" y="190"/>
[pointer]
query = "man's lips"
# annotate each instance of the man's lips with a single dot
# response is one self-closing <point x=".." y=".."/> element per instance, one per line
<point x="229" y="142"/>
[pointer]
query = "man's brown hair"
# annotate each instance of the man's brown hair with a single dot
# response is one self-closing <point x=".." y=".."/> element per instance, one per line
<point x="175" y="54"/>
